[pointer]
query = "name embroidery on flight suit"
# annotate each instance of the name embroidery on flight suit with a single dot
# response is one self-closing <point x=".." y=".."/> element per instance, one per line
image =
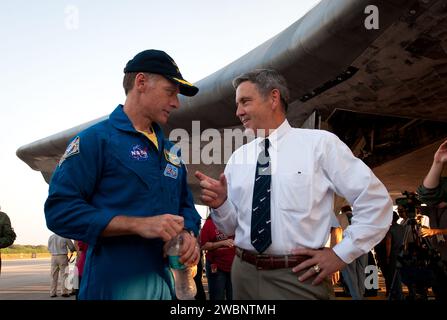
<point x="171" y="171"/>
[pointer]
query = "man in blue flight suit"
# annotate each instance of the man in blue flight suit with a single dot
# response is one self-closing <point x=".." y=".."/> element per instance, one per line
<point x="121" y="187"/>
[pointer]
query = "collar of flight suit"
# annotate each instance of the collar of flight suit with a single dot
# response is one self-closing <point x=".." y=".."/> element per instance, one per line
<point x="121" y="121"/>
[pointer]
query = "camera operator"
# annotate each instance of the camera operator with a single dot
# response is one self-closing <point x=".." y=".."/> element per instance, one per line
<point x="414" y="262"/>
<point x="393" y="246"/>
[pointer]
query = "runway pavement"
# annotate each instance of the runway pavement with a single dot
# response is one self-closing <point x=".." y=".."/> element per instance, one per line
<point x="26" y="280"/>
<point x="30" y="280"/>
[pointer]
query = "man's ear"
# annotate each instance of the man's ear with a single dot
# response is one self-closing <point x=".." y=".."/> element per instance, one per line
<point x="140" y="81"/>
<point x="275" y="97"/>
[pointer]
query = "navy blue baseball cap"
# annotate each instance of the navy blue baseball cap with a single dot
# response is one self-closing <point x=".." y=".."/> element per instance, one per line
<point x="159" y="62"/>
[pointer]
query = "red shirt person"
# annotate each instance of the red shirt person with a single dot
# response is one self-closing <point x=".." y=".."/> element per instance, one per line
<point x="219" y="258"/>
<point x="80" y="261"/>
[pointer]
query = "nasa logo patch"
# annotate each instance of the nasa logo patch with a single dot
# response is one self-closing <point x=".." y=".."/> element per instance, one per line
<point x="138" y="153"/>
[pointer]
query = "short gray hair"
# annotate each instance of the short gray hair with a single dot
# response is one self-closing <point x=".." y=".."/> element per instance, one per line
<point x="266" y="80"/>
<point x="129" y="80"/>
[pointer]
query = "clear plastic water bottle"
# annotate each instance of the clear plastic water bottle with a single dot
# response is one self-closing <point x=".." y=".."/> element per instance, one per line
<point x="185" y="287"/>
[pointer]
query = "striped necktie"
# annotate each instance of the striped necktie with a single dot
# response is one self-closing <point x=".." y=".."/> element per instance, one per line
<point x="261" y="234"/>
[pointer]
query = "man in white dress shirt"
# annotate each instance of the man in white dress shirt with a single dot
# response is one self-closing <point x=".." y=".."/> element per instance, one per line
<point x="283" y="257"/>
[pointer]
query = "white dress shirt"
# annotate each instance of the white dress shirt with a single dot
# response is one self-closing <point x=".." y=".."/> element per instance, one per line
<point x="308" y="167"/>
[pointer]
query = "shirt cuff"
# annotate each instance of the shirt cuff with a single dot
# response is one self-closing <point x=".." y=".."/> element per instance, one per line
<point x="346" y="251"/>
<point x="225" y="209"/>
<point x="224" y="217"/>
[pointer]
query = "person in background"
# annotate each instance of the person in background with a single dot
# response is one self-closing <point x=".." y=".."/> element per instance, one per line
<point x="394" y="242"/>
<point x="433" y="189"/>
<point x="81" y="248"/>
<point x="59" y="247"/>
<point x="7" y="234"/>
<point x="220" y="253"/>
<point x="335" y="236"/>
<point x="200" y="295"/>
<point x="353" y="274"/>
<point x="433" y="192"/>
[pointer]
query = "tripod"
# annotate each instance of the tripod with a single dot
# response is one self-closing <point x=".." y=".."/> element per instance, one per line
<point x="414" y="264"/>
<point x="395" y="289"/>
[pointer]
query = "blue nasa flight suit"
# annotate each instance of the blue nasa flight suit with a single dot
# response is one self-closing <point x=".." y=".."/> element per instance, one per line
<point x="111" y="169"/>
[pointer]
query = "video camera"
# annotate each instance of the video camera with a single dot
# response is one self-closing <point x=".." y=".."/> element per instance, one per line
<point x="410" y="202"/>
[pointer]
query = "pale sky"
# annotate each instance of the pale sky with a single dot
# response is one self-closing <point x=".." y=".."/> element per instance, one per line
<point x="62" y="65"/>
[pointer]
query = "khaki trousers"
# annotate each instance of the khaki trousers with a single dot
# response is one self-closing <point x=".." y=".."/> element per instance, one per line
<point x="59" y="265"/>
<point x="278" y="284"/>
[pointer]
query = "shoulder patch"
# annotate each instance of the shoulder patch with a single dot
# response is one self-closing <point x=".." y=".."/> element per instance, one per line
<point x="72" y="149"/>
<point x="172" y="158"/>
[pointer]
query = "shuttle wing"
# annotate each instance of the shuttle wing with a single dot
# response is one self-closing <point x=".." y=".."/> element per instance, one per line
<point x="349" y="60"/>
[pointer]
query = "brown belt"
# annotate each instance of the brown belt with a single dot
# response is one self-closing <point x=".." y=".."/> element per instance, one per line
<point x="270" y="262"/>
